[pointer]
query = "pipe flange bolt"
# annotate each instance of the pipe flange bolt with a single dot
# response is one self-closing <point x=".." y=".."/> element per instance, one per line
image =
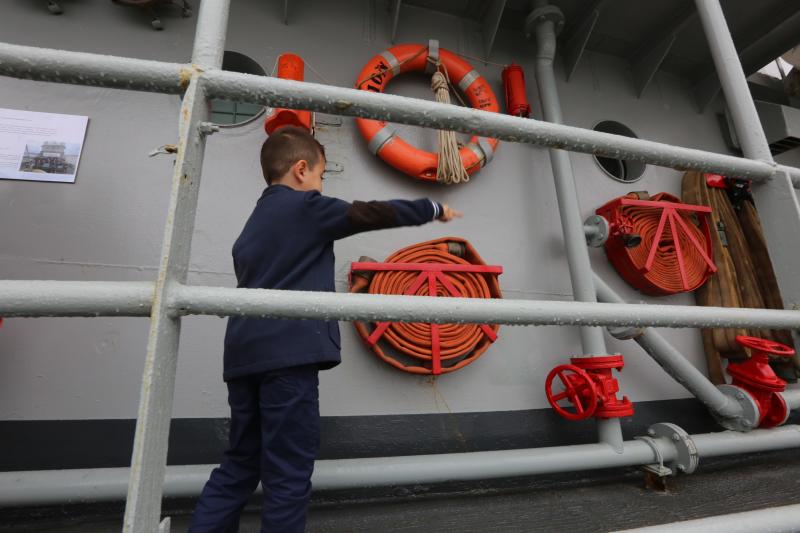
<point x="541" y="14"/>
<point x="748" y="419"/>
<point x="597" y="232"/>
<point x="687" y="457"/>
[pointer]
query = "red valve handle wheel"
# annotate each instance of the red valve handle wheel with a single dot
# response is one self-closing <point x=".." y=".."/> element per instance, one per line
<point x="765" y="345"/>
<point x="579" y="389"/>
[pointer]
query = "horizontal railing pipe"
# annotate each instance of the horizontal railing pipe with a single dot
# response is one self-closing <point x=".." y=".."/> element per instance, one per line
<point x="36" y="298"/>
<point x="291" y="94"/>
<point x="90" y="485"/>
<point x="145" y="75"/>
<point x="81" y="68"/>
<point x="374" y="307"/>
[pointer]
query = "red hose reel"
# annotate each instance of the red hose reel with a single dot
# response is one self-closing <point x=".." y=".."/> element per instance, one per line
<point x="589" y="389"/>
<point x="443" y="267"/>
<point x="757" y="378"/>
<point x="659" y="245"/>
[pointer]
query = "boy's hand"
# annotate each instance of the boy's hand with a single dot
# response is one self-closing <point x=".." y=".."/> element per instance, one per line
<point x="449" y="213"/>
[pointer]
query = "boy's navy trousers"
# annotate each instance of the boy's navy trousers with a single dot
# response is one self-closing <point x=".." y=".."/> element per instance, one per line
<point x="274" y="439"/>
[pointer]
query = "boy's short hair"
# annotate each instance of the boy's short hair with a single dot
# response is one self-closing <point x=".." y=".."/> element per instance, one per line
<point x="284" y="148"/>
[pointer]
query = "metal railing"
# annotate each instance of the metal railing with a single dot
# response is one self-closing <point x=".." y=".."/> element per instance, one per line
<point x="168" y="298"/>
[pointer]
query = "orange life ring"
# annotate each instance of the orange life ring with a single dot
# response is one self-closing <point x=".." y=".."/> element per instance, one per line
<point x="381" y="137"/>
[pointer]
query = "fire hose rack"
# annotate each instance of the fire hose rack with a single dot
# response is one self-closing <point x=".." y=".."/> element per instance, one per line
<point x="659" y="245"/>
<point x="444" y="267"/>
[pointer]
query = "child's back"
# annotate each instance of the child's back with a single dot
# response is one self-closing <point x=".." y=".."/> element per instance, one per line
<point x="271" y="365"/>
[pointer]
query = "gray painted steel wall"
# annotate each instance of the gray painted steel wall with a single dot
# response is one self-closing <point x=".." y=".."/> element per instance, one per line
<point x="108" y="225"/>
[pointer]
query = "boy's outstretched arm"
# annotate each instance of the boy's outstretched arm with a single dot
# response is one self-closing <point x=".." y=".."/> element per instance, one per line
<point x="337" y="219"/>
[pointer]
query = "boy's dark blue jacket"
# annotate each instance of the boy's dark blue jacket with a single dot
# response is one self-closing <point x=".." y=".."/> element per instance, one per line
<point x="287" y="243"/>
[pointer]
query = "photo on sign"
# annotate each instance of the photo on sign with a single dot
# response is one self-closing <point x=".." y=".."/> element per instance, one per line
<point x="36" y="146"/>
<point x="51" y="157"/>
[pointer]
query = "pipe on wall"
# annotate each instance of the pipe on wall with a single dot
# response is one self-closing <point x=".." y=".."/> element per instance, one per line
<point x="580" y="267"/>
<point x="90" y="485"/>
<point x="792" y="398"/>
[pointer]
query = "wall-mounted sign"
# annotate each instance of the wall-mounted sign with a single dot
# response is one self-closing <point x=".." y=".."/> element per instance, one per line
<point x="40" y="146"/>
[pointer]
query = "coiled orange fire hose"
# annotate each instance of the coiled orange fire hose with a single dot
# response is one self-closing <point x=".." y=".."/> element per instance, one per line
<point x="444" y="267"/>
<point x="657" y="244"/>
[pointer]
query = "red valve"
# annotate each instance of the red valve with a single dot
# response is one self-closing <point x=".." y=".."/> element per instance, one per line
<point x="765" y="345"/>
<point x="590" y="388"/>
<point x="579" y="389"/>
<point x="758" y="379"/>
<point x="599" y="369"/>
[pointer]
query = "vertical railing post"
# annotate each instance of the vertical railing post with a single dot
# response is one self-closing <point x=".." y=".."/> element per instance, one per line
<point x="148" y="464"/>
<point x="775" y="198"/>
<point x="580" y="267"/>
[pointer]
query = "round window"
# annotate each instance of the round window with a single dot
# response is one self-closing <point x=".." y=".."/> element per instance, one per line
<point x="618" y="169"/>
<point x="228" y="112"/>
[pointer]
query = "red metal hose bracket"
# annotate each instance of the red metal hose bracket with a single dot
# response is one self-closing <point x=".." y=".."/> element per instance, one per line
<point x="435" y="275"/>
<point x="625" y="235"/>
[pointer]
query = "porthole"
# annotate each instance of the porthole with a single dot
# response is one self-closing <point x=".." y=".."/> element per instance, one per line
<point x="618" y="169"/>
<point x="229" y="113"/>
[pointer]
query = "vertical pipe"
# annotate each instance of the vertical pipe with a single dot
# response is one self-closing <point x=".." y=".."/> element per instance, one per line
<point x="209" y="35"/>
<point x="572" y="226"/>
<point x="580" y="267"/>
<point x="732" y="79"/>
<point x="776" y="199"/>
<point x="148" y="463"/>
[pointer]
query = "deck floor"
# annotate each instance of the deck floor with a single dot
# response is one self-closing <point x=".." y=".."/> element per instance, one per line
<point x="574" y="504"/>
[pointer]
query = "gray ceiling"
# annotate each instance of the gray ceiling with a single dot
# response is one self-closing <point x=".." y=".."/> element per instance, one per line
<point x="762" y="29"/>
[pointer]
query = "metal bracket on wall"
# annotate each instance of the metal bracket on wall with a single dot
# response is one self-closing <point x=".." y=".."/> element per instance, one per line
<point x="327" y="120"/>
<point x="597" y="230"/>
<point x="648" y="58"/>
<point x="332" y="167"/>
<point x="207" y="128"/>
<point x="396" y="4"/>
<point x="658" y="467"/>
<point x="575" y="42"/>
<point x="164" y="149"/>
<point x="491" y="23"/>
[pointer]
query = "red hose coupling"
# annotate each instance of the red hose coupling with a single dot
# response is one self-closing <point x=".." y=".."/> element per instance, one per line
<point x="757" y="378"/>
<point x="589" y="388"/>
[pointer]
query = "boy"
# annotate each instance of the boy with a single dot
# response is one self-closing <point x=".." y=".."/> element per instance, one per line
<point x="270" y="365"/>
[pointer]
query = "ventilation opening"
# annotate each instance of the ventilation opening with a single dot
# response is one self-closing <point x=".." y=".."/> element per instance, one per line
<point x="784" y="145"/>
<point x="229" y="112"/>
<point x="618" y="169"/>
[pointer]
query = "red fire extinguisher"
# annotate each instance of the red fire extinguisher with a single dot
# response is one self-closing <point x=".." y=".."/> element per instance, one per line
<point x="514" y="84"/>
<point x="290" y="67"/>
